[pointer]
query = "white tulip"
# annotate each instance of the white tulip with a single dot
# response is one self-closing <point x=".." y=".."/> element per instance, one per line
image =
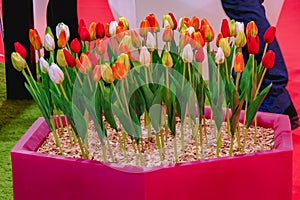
<point x="44" y="65"/>
<point x="187" y="54"/>
<point x="190" y="30"/>
<point x="220" y="57"/>
<point x="239" y="26"/>
<point x="150" y="42"/>
<point x="55" y="73"/>
<point x="49" y="43"/>
<point x="61" y="26"/>
<point x="145" y="57"/>
<point x="112" y="28"/>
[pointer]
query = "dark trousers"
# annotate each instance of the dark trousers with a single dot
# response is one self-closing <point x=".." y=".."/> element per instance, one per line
<point x="278" y="99"/>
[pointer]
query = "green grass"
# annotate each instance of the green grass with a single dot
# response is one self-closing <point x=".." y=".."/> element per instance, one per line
<point x="15" y="118"/>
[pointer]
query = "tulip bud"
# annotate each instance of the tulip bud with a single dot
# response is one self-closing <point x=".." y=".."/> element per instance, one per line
<point x="167" y="60"/>
<point x="199" y="56"/>
<point x="35" y="39"/>
<point x="225" y="28"/>
<point x="124" y="59"/>
<point x="92" y="31"/>
<point x="62" y="27"/>
<point x="18" y="62"/>
<point x="232" y="28"/>
<point x="240" y="40"/>
<point x="62" y="41"/>
<point x="84" y="64"/>
<point x="184" y="40"/>
<point x="106" y="73"/>
<point x="56" y="74"/>
<point x="174" y="21"/>
<point x="184" y="21"/>
<point x="121" y="31"/>
<point x="270" y="34"/>
<point x="60" y="58"/>
<point x="150" y="41"/>
<point x="49" y="43"/>
<point x="19" y="48"/>
<point x="75" y="45"/>
<point x="123" y="48"/>
<point x="268" y="59"/>
<point x="84" y="34"/>
<point x="239" y="26"/>
<point x="183" y="29"/>
<point x="220" y="57"/>
<point x="100" y="32"/>
<point x="106" y="30"/>
<point x="253" y="44"/>
<point x="145" y="57"/>
<point x="154" y="26"/>
<point x="92" y="58"/>
<point x="197" y="40"/>
<point x="208" y="33"/>
<point x="49" y="31"/>
<point x="219" y="37"/>
<point x="239" y="63"/>
<point x="112" y="28"/>
<point x="168" y="34"/>
<point x="195" y="23"/>
<point x="119" y="71"/>
<point x="136" y="42"/>
<point x="69" y="58"/>
<point x="251" y="29"/>
<point x="144" y="28"/>
<point x="224" y="44"/>
<point x="124" y="21"/>
<point x="127" y="40"/>
<point x="44" y="65"/>
<point x="167" y="21"/>
<point x="187" y="54"/>
<point x="101" y="47"/>
<point x="96" y="76"/>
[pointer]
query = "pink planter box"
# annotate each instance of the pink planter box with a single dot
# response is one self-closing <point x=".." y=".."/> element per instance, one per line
<point x="259" y="176"/>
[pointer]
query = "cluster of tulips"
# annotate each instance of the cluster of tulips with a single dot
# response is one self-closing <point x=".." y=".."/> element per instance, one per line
<point x="120" y="77"/>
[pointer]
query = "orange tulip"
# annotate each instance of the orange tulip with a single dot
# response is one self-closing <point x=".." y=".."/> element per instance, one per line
<point x="239" y="63"/>
<point x="119" y="70"/>
<point x="184" y="39"/>
<point x="144" y="28"/>
<point x="208" y="33"/>
<point x="251" y="29"/>
<point x="168" y="34"/>
<point x="154" y="25"/>
<point x="136" y="42"/>
<point x="195" y="23"/>
<point x="84" y="64"/>
<point x="96" y="76"/>
<point x="35" y="39"/>
<point x="92" y="31"/>
<point x="197" y="40"/>
<point x="62" y="39"/>
<point x="106" y="30"/>
<point x="121" y="31"/>
<point x="220" y="35"/>
<point x="101" y="47"/>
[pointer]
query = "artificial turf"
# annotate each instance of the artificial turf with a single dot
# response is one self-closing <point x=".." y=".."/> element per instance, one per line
<point x="15" y="118"/>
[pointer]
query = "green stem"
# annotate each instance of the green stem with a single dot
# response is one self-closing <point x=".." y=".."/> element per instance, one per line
<point x="64" y="92"/>
<point x="182" y="136"/>
<point x="57" y="142"/>
<point x="175" y="149"/>
<point x="110" y="150"/>
<point x="231" y="145"/>
<point x="83" y="151"/>
<point x="183" y="76"/>
<point x="159" y="146"/>
<point x="219" y="143"/>
<point x="245" y="138"/>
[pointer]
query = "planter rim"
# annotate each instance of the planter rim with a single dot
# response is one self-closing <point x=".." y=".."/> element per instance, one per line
<point x="39" y="130"/>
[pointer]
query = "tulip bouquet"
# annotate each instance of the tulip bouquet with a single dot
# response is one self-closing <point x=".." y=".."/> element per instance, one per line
<point x="123" y="79"/>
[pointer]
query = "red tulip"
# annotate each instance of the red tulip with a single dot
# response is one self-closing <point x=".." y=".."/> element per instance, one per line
<point x="19" y="48"/>
<point x="239" y="63"/>
<point x="153" y="23"/>
<point x="75" y="45"/>
<point x="270" y="34"/>
<point x="100" y="32"/>
<point x="268" y="59"/>
<point x="253" y="44"/>
<point x="69" y="58"/>
<point x="220" y="36"/>
<point x="136" y="42"/>
<point x="195" y="23"/>
<point x="84" y="34"/>
<point x="225" y="28"/>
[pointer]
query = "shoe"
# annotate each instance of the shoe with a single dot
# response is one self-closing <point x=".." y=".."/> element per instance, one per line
<point x="292" y="113"/>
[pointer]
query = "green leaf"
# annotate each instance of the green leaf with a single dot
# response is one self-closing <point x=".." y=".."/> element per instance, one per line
<point x="108" y="109"/>
<point x="254" y="106"/>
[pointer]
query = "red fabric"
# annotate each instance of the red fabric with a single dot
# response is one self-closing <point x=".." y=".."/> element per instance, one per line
<point x="287" y="29"/>
<point x="94" y="11"/>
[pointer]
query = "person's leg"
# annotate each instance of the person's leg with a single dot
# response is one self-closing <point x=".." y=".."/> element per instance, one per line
<point x="278" y="100"/>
